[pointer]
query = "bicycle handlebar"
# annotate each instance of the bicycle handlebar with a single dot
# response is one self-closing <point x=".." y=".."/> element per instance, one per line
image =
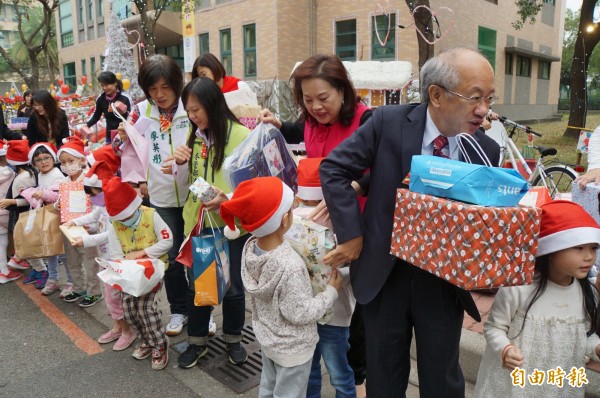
<point x="527" y="129"/>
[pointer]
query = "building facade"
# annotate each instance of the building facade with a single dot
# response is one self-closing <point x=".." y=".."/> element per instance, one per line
<point x="263" y="39"/>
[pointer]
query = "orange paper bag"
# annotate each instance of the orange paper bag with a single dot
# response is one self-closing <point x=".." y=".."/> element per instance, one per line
<point x="470" y="246"/>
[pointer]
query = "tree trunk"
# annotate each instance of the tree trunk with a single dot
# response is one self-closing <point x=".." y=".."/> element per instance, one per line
<point x="423" y="23"/>
<point x="584" y="46"/>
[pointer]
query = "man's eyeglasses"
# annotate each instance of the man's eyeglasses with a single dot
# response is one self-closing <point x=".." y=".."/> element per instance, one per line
<point x="44" y="159"/>
<point x="473" y="101"/>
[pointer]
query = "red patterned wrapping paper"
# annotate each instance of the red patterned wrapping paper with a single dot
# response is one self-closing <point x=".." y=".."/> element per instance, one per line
<point x="65" y="191"/>
<point x="470" y="246"/>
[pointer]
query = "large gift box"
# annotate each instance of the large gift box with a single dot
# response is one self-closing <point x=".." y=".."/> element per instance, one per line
<point x="74" y="202"/>
<point x="470" y="246"/>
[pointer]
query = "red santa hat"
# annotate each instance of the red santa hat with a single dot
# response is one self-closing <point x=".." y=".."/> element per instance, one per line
<point x="565" y="224"/>
<point x="73" y="146"/>
<point x="309" y="183"/>
<point x="48" y="145"/>
<point x="18" y="152"/>
<point x="259" y="204"/>
<point x="120" y="198"/>
<point x="108" y="155"/>
<point x="99" y="172"/>
<point x="3" y="148"/>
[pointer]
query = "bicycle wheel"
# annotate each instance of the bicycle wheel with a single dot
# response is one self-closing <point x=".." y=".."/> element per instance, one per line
<point x="559" y="179"/>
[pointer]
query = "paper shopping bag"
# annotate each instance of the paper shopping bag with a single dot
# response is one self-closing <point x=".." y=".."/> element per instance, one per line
<point x="472" y="183"/>
<point x="135" y="157"/>
<point x="134" y="277"/>
<point x="211" y="267"/>
<point x="37" y="233"/>
<point x="470" y="246"/>
<point x="74" y="202"/>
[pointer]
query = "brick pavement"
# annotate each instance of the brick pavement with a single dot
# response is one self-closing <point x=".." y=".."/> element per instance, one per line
<point x="484" y="305"/>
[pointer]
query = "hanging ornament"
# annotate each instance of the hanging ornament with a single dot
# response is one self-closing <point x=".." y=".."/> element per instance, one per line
<point x="24" y="87"/>
<point x="60" y="81"/>
<point x="90" y="85"/>
<point x="53" y="92"/>
<point x="437" y="33"/>
<point x="83" y="79"/>
<point x="380" y="8"/>
<point x="64" y="88"/>
<point x="7" y="94"/>
<point x="118" y="74"/>
<point x="12" y="90"/>
<point x="126" y="84"/>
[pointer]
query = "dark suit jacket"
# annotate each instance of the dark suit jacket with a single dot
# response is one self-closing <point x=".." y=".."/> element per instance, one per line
<point x="385" y="144"/>
<point x="34" y="135"/>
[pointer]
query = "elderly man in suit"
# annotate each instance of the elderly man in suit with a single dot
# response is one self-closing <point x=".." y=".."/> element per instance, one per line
<point x="457" y="91"/>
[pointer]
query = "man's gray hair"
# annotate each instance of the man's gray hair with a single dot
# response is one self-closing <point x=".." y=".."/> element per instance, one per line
<point x="440" y="70"/>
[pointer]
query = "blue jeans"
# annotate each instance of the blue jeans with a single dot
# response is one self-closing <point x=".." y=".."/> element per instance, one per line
<point x="175" y="281"/>
<point x="333" y="346"/>
<point x="52" y="265"/>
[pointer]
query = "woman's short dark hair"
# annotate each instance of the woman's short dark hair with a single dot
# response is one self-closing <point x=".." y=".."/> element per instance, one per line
<point x="26" y="93"/>
<point x="206" y="91"/>
<point x="331" y="69"/>
<point x="211" y="62"/>
<point x="41" y="150"/>
<point x="107" y="77"/>
<point x="160" y="66"/>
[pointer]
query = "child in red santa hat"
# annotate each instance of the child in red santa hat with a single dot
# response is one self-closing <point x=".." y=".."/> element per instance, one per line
<point x="7" y="177"/>
<point x="552" y="323"/>
<point x="139" y="232"/>
<point x="284" y="310"/>
<point x="71" y="156"/>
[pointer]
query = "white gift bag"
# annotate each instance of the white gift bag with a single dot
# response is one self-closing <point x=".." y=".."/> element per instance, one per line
<point x="135" y="277"/>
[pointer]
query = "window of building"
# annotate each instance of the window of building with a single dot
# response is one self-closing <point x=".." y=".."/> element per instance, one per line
<point x="523" y="66"/>
<point x="69" y="74"/>
<point x="345" y="39"/>
<point x="508" y="66"/>
<point x="5" y="38"/>
<point x="80" y="11"/>
<point x="175" y="52"/>
<point x="92" y="68"/>
<point x="551" y="2"/>
<point x="90" y="10"/>
<point x="66" y="23"/>
<point x="102" y="58"/>
<point x="122" y="8"/>
<point x="100" y="10"/>
<point x="226" y="50"/>
<point x="384" y="26"/>
<point x="544" y="70"/>
<point x="250" y="50"/>
<point x="486" y="44"/>
<point x="83" y="67"/>
<point x="204" y="45"/>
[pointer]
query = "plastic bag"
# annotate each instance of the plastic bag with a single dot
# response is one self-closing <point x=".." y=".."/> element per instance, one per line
<point x="262" y="154"/>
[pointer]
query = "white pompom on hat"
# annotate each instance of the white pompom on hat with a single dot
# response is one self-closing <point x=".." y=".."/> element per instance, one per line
<point x="99" y="172"/>
<point x="17" y="153"/>
<point x="564" y="225"/>
<point x="48" y="145"/>
<point x="259" y="204"/>
<point x="120" y="198"/>
<point x="73" y="146"/>
<point x="309" y="182"/>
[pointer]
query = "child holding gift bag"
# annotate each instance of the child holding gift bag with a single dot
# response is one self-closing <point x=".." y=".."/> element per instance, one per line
<point x="333" y="342"/>
<point x="139" y="232"/>
<point x="43" y="157"/>
<point x="6" y="179"/>
<point x="17" y="156"/>
<point x="551" y="325"/>
<point x="97" y="223"/>
<point x="87" y="286"/>
<point x="284" y="311"/>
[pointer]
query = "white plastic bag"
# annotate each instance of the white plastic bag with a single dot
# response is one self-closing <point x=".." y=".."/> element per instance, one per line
<point x="135" y="277"/>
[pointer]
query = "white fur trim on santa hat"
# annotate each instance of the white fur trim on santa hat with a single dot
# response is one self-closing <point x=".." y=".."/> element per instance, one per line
<point x="231" y="235"/>
<point x="45" y="145"/>
<point x="128" y="211"/>
<point x="274" y="221"/>
<point x="92" y="181"/>
<point x="568" y="238"/>
<point x="90" y="159"/>
<point x="310" y="193"/>
<point x="16" y="163"/>
<point x="70" y="151"/>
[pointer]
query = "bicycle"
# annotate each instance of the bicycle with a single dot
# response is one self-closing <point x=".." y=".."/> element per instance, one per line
<point x="550" y="173"/>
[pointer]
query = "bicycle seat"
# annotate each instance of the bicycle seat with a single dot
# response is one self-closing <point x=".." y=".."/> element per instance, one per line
<point x="546" y="150"/>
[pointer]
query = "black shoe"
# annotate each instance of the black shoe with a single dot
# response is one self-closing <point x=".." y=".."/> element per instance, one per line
<point x="72" y="297"/>
<point x="237" y="353"/>
<point x="191" y="355"/>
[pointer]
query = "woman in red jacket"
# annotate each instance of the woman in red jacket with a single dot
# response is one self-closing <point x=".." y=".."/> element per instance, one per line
<point x="207" y="65"/>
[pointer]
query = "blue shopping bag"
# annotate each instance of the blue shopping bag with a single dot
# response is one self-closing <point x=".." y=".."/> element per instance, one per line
<point x="210" y="251"/>
<point x="472" y="183"/>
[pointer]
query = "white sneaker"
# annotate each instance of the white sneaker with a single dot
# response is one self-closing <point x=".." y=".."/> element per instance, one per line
<point x="65" y="290"/>
<point x="176" y="324"/>
<point x="212" y="326"/>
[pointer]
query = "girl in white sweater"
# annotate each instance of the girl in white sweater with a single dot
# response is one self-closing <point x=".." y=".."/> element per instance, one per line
<point x="538" y="336"/>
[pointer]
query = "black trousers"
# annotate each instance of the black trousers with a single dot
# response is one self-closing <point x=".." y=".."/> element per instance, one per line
<point x="413" y="299"/>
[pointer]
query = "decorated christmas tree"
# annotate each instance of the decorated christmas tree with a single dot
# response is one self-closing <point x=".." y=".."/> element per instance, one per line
<point x="119" y="55"/>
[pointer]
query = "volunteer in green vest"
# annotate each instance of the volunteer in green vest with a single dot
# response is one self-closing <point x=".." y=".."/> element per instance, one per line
<point x="167" y="128"/>
<point x="216" y="133"/>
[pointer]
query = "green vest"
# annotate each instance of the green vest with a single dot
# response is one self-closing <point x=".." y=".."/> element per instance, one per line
<point x="141" y="238"/>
